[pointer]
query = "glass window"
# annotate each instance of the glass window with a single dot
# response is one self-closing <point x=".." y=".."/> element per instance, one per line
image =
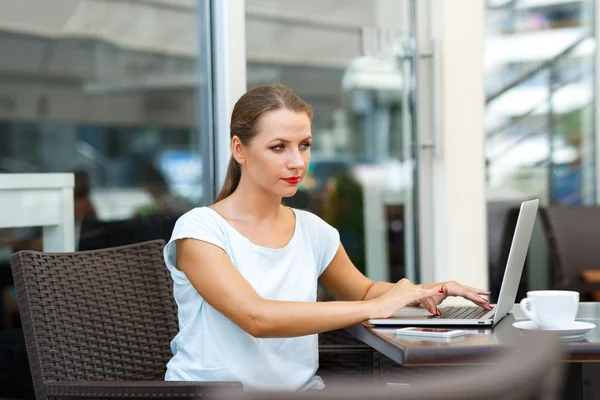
<point x="362" y="176"/>
<point x="88" y="90"/>
<point x="120" y="103"/>
<point x="540" y="80"/>
<point x="539" y="59"/>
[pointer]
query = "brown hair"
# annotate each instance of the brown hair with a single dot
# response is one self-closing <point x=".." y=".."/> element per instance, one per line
<point x="245" y="118"/>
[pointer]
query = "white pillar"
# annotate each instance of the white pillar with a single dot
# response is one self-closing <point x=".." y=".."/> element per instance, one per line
<point x="458" y="189"/>
<point x="229" y="52"/>
<point x="597" y="103"/>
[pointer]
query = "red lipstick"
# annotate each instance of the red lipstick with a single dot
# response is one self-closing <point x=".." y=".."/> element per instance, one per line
<point x="294" y="180"/>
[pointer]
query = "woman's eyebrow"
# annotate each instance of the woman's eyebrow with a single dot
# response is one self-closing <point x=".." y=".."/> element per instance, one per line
<point x="287" y="141"/>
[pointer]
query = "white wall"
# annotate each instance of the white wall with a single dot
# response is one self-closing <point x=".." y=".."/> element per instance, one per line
<point x="458" y="189"/>
<point x="597" y="106"/>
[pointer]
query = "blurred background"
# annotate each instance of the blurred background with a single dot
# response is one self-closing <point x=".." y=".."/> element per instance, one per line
<point x="539" y="79"/>
<point x="122" y="90"/>
<point x="129" y="94"/>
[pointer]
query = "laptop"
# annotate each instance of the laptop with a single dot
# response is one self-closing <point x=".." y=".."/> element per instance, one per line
<point x="475" y="315"/>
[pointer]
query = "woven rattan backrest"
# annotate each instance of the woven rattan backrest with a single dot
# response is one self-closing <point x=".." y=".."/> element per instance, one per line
<point x="97" y="315"/>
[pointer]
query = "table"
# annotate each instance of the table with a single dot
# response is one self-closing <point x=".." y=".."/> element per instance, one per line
<point x="482" y="343"/>
<point x="44" y="200"/>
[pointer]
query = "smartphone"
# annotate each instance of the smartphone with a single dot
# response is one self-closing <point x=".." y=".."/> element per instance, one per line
<point x="430" y="332"/>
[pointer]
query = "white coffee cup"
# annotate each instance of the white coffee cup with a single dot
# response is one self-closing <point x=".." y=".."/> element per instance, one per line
<point x="551" y="309"/>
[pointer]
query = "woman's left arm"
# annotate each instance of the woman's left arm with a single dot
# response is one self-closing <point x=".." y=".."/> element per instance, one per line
<point x="344" y="281"/>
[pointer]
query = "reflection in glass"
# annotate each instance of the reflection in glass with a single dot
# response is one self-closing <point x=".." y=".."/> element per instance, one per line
<point x="362" y="173"/>
<point x="540" y="67"/>
<point x="87" y="89"/>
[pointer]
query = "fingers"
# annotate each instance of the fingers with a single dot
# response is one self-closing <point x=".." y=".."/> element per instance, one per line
<point x="425" y="297"/>
<point x="453" y="288"/>
<point x="470" y="293"/>
<point x="430" y="305"/>
<point x="478" y="291"/>
<point x="475" y="298"/>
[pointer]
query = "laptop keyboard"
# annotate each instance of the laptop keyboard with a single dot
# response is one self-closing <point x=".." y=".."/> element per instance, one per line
<point x="462" y="312"/>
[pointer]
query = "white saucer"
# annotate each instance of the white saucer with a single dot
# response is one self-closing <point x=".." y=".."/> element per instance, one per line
<point x="575" y="330"/>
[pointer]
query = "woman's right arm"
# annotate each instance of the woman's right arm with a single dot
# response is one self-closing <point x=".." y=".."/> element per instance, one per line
<point x="221" y="285"/>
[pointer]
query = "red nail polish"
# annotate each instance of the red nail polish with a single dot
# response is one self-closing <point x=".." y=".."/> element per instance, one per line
<point x="441" y="290"/>
<point x="486" y="300"/>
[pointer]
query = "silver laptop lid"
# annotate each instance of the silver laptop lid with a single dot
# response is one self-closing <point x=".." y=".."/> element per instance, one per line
<point x="516" y="259"/>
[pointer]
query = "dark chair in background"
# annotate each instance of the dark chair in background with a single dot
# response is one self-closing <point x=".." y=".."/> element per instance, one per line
<point x="99" y="323"/>
<point x="96" y="234"/>
<point x="574" y="241"/>
<point x="342" y="356"/>
<point x="501" y="223"/>
<point x="531" y="371"/>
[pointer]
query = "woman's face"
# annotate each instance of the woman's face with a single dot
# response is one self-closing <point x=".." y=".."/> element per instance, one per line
<point x="277" y="158"/>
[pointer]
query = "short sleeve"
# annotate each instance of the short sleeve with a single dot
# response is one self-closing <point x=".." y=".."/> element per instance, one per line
<point x="325" y="240"/>
<point x="199" y="224"/>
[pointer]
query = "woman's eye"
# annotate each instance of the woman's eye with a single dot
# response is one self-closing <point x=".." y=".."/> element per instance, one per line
<point x="279" y="147"/>
<point x="305" y="146"/>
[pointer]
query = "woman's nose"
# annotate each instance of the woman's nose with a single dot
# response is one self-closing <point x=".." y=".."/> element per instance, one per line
<point x="295" y="161"/>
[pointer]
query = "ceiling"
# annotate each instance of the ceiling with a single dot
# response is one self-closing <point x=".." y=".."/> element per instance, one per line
<point x="135" y="45"/>
<point x="128" y="39"/>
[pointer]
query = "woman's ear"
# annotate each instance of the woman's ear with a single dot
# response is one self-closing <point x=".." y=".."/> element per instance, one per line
<point x="237" y="150"/>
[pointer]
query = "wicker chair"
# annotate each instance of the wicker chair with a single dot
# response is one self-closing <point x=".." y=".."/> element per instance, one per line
<point x="98" y="324"/>
<point x="343" y="357"/>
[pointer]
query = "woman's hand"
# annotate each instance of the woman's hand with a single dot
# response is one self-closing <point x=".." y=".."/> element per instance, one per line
<point x="403" y="293"/>
<point x="452" y="288"/>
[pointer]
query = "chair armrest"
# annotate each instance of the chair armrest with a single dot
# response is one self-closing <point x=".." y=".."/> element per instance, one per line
<point x="585" y="287"/>
<point x="591" y="275"/>
<point x="139" y="389"/>
<point x="592" y="278"/>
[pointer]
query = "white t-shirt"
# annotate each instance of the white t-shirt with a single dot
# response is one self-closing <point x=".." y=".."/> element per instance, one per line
<point x="209" y="346"/>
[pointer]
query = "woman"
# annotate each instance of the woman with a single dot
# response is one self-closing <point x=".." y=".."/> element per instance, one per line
<point x="245" y="269"/>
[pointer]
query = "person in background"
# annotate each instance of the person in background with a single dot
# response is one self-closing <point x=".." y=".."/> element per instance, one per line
<point x="82" y="203"/>
<point x="246" y="269"/>
<point x="344" y="211"/>
<point x="165" y="203"/>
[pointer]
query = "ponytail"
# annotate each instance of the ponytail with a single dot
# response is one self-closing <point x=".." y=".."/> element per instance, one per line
<point x="232" y="180"/>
